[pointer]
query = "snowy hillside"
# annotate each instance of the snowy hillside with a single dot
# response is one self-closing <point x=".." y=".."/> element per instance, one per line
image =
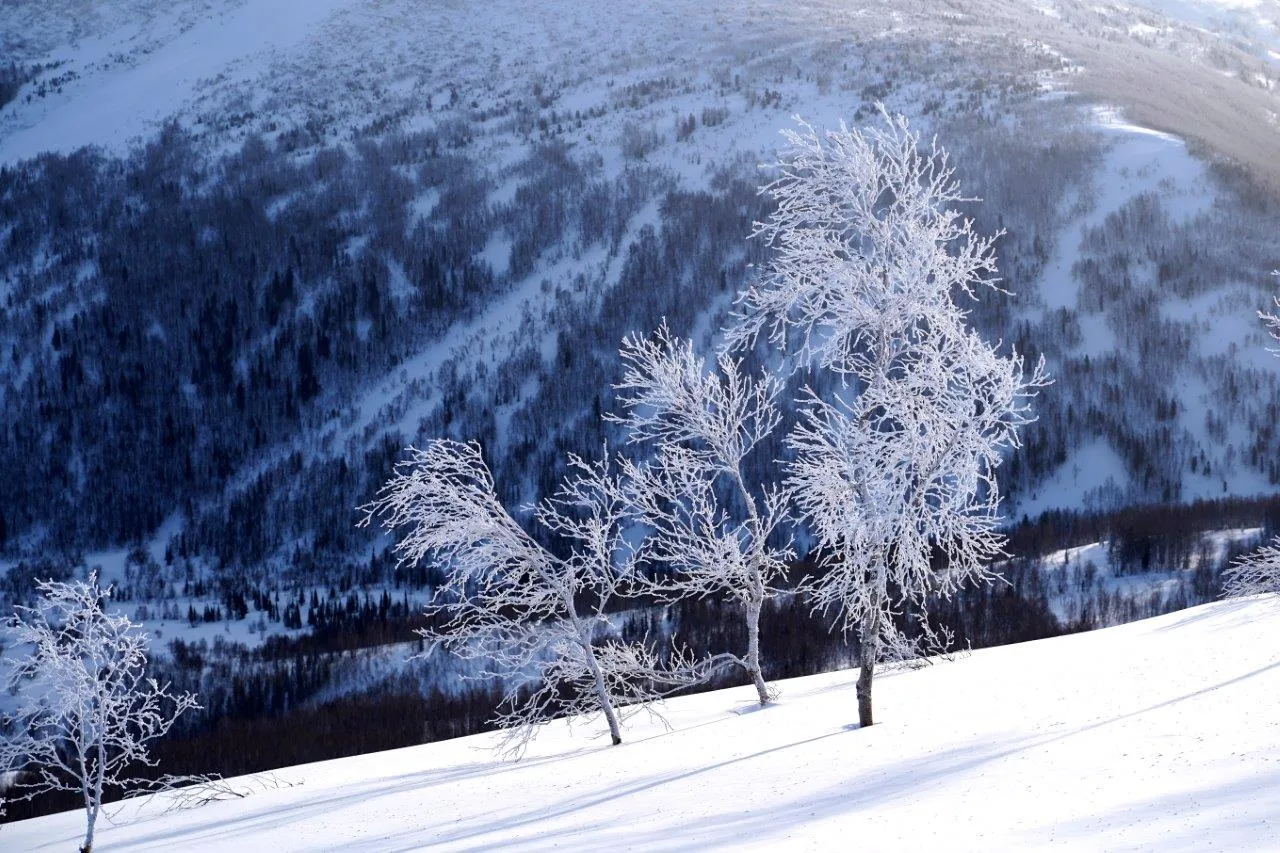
<point x="1247" y="20"/>
<point x="1158" y="735"/>
<point x="378" y="144"/>
<point x="308" y="234"/>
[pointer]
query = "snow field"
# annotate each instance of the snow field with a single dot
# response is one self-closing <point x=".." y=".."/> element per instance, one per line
<point x="1156" y="735"/>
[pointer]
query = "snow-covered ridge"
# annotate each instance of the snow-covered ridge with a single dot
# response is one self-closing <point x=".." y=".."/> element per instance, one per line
<point x="1157" y="735"/>
<point x="112" y="72"/>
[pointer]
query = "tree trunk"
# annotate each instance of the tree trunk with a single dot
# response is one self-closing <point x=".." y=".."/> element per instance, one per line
<point x="756" y="595"/>
<point x="91" y="819"/>
<point x="606" y="705"/>
<point x="597" y="674"/>
<point x="753" y="652"/>
<point x="91" y="790"/>
<point x="864" y="693"/>
<point x="869" y="649"/>
<point x="602" y="693"/>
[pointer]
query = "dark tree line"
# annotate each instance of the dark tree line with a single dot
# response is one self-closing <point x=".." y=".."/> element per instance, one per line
<point x="12" y="78"/>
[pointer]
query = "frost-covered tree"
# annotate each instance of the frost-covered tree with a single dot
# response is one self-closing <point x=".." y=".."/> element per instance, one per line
<point x="533" y="620"/>
<point x="1255" y="573"/>
<point x="87" y="711"/>
<point x="1258" y="572"/>
<point x="706" y="525"/>
<point x="1273" y="320"/>
<point x="895" y="469"/>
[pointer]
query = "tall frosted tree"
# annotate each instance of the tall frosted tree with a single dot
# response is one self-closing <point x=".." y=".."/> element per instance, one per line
<point x="531" y="619"/>
<point x="707" y="525"/>
<point x="87" y="712"/>
<point x="895" y="468"/>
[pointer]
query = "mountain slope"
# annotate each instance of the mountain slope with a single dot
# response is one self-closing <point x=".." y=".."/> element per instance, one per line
<point x="1158" y="735"/>
<point x="374" y="223"/>
<point x="313" y="233"/>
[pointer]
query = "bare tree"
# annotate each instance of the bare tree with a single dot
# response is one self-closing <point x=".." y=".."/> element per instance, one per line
<point x="532" y="619"/>
<point x="707" y="526"/>
<point x="88" y="710"/>
<point x="896" y="472"/>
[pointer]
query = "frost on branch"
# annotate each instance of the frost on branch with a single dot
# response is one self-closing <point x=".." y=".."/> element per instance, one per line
<point x="864" y="242"/>
<point x="1253" y="574"/>
<point x="898" y="651"/>
<point x="906" y="471"/>
<point x="895" y="470"/>
<point x="708" y="529"/>
<point x="533" y="620"/>
<point x="87" y="710"/>
<point x="1272" y="320"/>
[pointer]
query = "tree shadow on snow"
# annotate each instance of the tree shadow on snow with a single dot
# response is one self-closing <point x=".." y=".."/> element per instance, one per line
<point x="863" y="791"/>
<point x="214" y="826"/>
<point x="503" y="826"/>
<point x="1171" y="822"/>
<point x="529" y="828"/>
<point x="1263" y="607"/>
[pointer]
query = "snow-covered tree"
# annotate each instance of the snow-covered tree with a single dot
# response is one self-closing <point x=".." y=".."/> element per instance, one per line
<point x="1258" y="572"/>
<point x="895" y="470"/>
<point x="707" y="526"/>
<point x="87" y="710"/>
<point x="532" y="619"/>
<point x="1254" y="573"/>
<point x="1273" y="320"/>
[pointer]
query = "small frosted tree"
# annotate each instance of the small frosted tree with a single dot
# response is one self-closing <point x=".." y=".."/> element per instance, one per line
<point x="895" y="470"/>
<point x="87" y="712"/>
<point x="533" y="620"/>
<point x="707" y="526"/>
<point x="1258" y="572"/>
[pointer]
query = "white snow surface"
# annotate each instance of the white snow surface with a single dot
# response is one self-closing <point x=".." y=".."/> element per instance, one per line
<point x="1156" y="735"/>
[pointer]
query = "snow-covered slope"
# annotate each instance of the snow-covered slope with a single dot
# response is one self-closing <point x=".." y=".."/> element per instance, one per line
<point x="1140" y="163"/>
<point x="1252" y="20"/>
<point x="133" y="74"/>
<point x="591" y="168"/>
<point x="1158" y="735"/>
